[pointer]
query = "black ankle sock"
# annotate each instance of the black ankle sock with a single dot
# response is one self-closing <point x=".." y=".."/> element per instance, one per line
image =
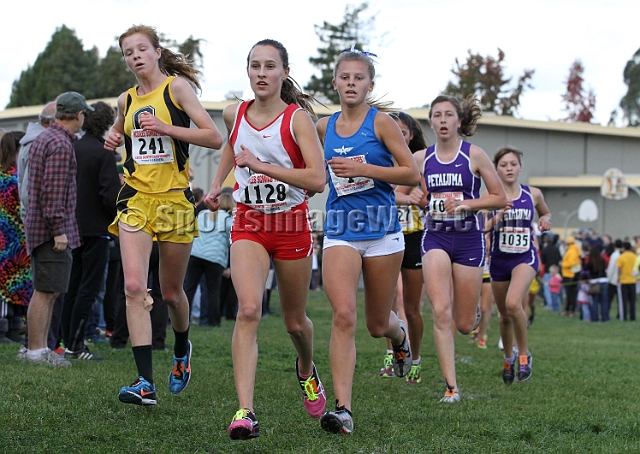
<point x="143" y="356"/>
<point x="181" y="346"/>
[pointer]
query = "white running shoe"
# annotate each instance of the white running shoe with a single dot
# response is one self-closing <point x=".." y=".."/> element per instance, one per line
<point x="452" y="395"/>
<point x="338" y="421"/>
<point x="49" y="358"/>
<point x="402" y="353"/>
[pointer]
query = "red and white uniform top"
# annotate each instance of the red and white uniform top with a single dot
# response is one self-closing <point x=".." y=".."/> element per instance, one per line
<point x="274" y="144"/>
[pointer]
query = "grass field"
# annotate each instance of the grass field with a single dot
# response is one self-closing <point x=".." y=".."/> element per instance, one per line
<point x="583" y="397"/>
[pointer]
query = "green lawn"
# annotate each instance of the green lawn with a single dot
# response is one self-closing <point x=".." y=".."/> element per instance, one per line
<point x="583" y="397"/>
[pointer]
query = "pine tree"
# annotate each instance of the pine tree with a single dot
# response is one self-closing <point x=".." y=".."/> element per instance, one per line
<point x="63" y="66"/>
<point x="630" y="103"/>
<point x="191" y="49"/>
<point x="114" y="74"/>
<point x="352" y="31"/>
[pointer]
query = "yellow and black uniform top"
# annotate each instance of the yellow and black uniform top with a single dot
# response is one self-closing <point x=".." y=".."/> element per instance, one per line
<point x="155" y="163"/>
<point x="410" y="219"/>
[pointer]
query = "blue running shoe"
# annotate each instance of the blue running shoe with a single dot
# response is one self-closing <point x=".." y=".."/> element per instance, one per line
<point x="181" y="372"/>
<point x="141" y="392"/>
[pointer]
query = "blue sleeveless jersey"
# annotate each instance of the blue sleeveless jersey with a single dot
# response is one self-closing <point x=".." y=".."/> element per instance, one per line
<point x="453" y="179"/>
<point x="514" y="233"/>
<point x="359" y="208"/>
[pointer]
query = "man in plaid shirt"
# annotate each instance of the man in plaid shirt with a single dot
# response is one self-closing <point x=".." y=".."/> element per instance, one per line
<point x="51" y="227"/>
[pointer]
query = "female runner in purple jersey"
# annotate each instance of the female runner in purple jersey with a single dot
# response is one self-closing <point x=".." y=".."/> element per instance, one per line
<point x="514" y="259"/>
<point x="453" y="244"/>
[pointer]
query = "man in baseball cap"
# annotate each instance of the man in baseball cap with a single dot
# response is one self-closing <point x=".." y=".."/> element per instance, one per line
<point x="51" y="226"/>
<point x="71" y="102"/>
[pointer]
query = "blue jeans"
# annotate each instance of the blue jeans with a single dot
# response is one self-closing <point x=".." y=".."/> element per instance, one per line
<point x="556" y="301"/>
<point x="600" y="304"/>
<point x="586" y="312"/>
<point x="548" y="298"/>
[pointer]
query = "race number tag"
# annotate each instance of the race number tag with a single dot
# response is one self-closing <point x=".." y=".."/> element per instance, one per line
<point x="149" y="147"/>
<point x="405" y="216"/>
<point x="436" y="206"/>
<point x="346" y="186"/>
<point x="266" y="194"/>
<point x="515" y="240"/>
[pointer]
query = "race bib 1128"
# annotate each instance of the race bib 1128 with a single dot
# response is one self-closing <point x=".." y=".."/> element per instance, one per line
<point x="266" y="194"/>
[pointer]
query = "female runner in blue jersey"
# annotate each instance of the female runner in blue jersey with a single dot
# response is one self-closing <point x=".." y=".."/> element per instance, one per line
<point x="366" y="154"/>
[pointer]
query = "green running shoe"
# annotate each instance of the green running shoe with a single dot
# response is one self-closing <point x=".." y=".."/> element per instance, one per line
<point x="414" y="376"/>
<point x="387" y="368"/>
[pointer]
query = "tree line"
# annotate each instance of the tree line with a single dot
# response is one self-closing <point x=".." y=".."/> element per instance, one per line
<point x="65" y="65"/>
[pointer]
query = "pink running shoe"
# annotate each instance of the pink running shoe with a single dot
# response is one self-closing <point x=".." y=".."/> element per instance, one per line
<point x="313" y="393"/>
<point x="244" y="425"/>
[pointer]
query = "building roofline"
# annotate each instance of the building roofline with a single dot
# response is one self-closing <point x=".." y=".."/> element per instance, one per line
<point x="580" y="181"/>
<point x="417" y="113"/>
<point x="561" y="126"/>
<point x="34" y="111"/>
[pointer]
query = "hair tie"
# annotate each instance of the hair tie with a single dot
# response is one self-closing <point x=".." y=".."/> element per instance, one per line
<point x="356" y="51"/>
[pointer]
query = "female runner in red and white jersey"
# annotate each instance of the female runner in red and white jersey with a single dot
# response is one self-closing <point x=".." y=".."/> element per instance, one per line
<point x="277" y="156"/>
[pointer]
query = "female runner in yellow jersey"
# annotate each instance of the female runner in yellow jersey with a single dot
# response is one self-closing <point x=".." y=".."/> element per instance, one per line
<point x="155" y="202"/>
<point x="410" y="200"/>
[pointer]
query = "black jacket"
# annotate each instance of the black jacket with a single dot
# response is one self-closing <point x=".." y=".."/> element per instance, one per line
<point x="550" y="256"/>
<point x="98" y="185"/>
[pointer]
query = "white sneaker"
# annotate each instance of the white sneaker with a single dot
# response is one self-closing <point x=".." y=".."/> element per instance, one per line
<point x="402" y="354"/>
<point x="49" y="358"/>
<point x="338" y="421"/>
<point x="22" y="353"/>
<point x="452" y="395"/>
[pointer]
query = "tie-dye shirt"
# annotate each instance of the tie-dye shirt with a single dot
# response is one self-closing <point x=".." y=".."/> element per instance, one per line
<point x="15" y="269"/>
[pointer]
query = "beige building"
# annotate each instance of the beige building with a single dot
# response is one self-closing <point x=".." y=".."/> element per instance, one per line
<point x="565" y="160"/>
